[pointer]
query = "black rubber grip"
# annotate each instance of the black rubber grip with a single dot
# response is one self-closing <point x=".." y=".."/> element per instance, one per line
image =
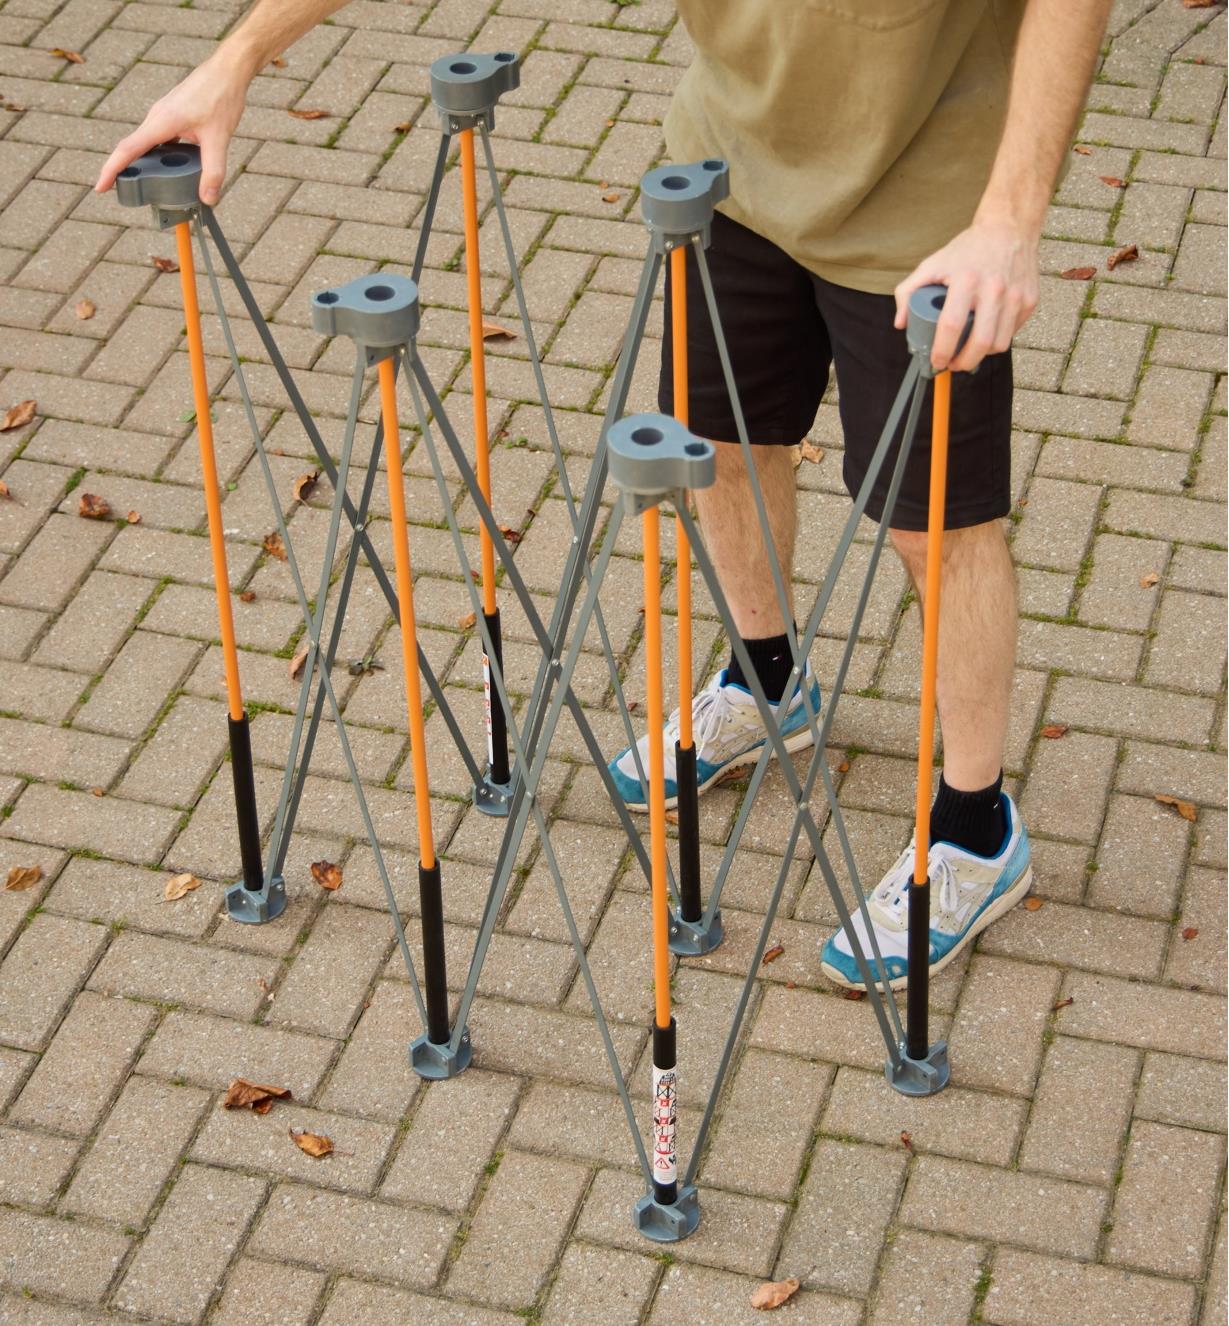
<point x="245" y="802"/>
<point x="917" y="1020"/>
<point x="498" y="749"/>
<point x="434" y="964"/>
<point x="690" y="906"/>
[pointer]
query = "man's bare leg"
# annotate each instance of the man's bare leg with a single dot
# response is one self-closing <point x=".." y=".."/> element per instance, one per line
<point x="977" y="646"/>
<point x="733" y="539"/>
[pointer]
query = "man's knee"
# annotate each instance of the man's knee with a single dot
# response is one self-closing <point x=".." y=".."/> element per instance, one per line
<point x="910" y="544"/>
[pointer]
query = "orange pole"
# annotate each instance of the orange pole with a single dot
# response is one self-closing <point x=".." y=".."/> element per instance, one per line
<point x="405" y="606"/>
<point x="930" y="620"/>
<point x="477" y="359"/>
<point x="678" y="330"/>
<point x="657" y="765"/>
<point x="209" y="468"/>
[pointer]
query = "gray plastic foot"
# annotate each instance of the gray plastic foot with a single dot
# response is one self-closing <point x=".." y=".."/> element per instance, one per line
<point x="653" y="455"/>
<point x="437" y="1062"/>
<point x="378" y="312"/>
<point x="692" y="939"/>
<point x="494" y="799"/>
<point x="925" y="306"/>
<point x="167" y="178"/>
<point x="466" y="87"/>
<point x="920" y="1077"/>
<point x="255" y="908"/>
<point x="668" y="1224"/>
<point x="677" y="202"/>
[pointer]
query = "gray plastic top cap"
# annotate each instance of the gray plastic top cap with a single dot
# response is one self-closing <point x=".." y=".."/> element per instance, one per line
<point x="470" y="84"/>
<point x="925" y="306"/>
<point x="167" y="176"/>
<point x="679" y="200"/>
<point x="651" y="454"/>
<point x="378" y="311"/>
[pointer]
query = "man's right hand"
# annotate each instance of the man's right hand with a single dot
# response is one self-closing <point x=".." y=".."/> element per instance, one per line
<point x="203" y="109"/>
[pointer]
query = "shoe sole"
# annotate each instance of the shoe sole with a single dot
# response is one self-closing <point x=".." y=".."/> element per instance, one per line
<point x="1001" y="905"/>
<point x="799" y="741"/>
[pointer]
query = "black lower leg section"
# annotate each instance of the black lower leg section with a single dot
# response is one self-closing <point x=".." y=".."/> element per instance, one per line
<point x="496" y="719"/>
<point x="245" y="802"/>
<point x="689" y="833"/>
<point x="434" y="967"/>
<point x="665" y="1115"/>
<point x="917" y="1021"/>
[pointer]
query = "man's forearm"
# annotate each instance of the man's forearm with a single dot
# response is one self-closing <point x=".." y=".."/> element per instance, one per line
<point x="1056" y="54"/>
<point x="269" y="27"/>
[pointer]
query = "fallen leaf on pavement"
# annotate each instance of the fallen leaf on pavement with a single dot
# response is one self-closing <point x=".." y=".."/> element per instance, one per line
<point x="1032" y="904"/>
<point x="468" y="622"/>
<point x="1190" y="932"/>
<point x="327" y="875"/>
<point x="305" y="485"/>
<point x="97" y="792"/>
<point x="843" y="767"/>
<point x="611" y="197"/>
<point x="404" y="127"/>
<point x="277" y="62"/>
<point x="18" y="415"/>
<point x="248" y="596"/>
<point x="1199" y="4"/>
<point x="165" y="264"/>
<point x="314" y="1144"/>
<point x="1113" y="181"/>
<point x="512" y="536"/>
<point x="672" y="817"/>
<point x="853" y="995"/>
<point x="1146" y="582"/>
<point x="772" y="1293"/>
<point x="273" y="545"/>
<point x="1052" y="731"/>
<point x="73" y="57"/>
<point x="22" y="878"/>
<point x="773" y="954"/>
<point x="1082" y="150"/>
<point x="1184" y="808"/>
<point x="1128" y="253"/>
<point x="296" y="663"/>
<point x="906" y="1140"/>
<point x="494" y="331"/>
<point x="4" y="490"/>
<point x="85" y="309"/>
<point x="1078" y="274"/>
<point x="93" y="507"/>
<point x="1064" y="1003"/>
<point x="178" y="886"/>
<point x="311" y="114"/>
<point x="243" y="1095"/>
<point x="809" y="451"/>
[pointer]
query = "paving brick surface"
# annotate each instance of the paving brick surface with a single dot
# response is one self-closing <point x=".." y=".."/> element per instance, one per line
<point x="1073" y="1171"/>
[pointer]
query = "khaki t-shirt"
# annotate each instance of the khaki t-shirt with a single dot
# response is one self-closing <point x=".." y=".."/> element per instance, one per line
<point x="860" y="133"/>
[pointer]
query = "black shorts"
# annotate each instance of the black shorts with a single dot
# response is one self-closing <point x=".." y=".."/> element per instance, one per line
<point x="785" y="327"/>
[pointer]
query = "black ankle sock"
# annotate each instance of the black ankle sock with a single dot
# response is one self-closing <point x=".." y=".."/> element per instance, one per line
<point x="772" y="661"/>
<point x="972" y="820"/>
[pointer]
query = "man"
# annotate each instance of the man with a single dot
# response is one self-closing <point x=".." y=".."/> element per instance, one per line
<point x="875" y="146"/>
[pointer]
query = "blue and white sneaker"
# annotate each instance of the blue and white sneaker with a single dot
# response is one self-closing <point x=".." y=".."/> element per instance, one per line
<point x="728" y="734"/>
<point x="967" y="892"/>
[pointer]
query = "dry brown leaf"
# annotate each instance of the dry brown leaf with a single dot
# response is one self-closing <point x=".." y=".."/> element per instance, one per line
<point x="311" y="114"/>
<point x="672" y="817"/>
<point x="97" y="792"/>
<point x="853" y="995"/>
<point x="1052" y="731"/>
<point x="4" y="490"/>
<point x="85" y="309"/>
<point x="248" y="596"/>
<point x="468" y="622"/>
<point x="165" y="264"/>
<point x="327" y="874"/>
<point x="843" y="767"/>
<point x="1078" y="274"/>
<point x="1146" y="582"/>
<point x="93" y="507"/>
<point x="1064" y="1003"/>
<point x="772" y="1293"/>
<point x="22" y="878"/>
<point x="1128" y="253"/>
<point x="1184" y="808"/>
<point x="809" y="451"/>
<point x="277" y="62"/>
<point x="404" y="127"/>
<point x="273" y="545"/>
<point x="1032" y="904"/>
<point x="296" y="663"/>
<point x="1113" y="181"/>
<point x="611" y="197"/>
<point x="906" y="1140"/>
<point x="1199" y="4"/>
<point x="1190" y="932"/>
<point x="314" y="1144"/>
<point x="18" y="415"/>
<point x="178" y="886"/>
<point x="14" y="106"/>
<point x="494" y="331"/>
<point x="305" y="485"/>
<point x="773" y="954"/>
<point x="243" y="1095"/>
<point x="512" y="536"/>
<point x="1082" y="150"/>
<point x="73" y="57"/>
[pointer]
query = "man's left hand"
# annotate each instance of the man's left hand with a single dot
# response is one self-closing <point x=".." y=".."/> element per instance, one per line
<point x="992" y="269"/>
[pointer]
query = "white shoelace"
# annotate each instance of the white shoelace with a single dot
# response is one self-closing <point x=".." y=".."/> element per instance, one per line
<point x="894" y="888"/>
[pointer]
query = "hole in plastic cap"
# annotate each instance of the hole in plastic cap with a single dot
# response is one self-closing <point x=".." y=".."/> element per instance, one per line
<point x="328" y="297"/>
<point x="505" y="57"/>
<point x="696" y="448"/>
<point x="714" y="163"/>
<point x="175" y="159"/>
<point x="130" y="172"/>
<point x="462" y="67"/>
<point x="936" y="301"/>
<point x="647" y="437"/>
<point x="675" y="182"/>
<point x="379" y="292"/>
